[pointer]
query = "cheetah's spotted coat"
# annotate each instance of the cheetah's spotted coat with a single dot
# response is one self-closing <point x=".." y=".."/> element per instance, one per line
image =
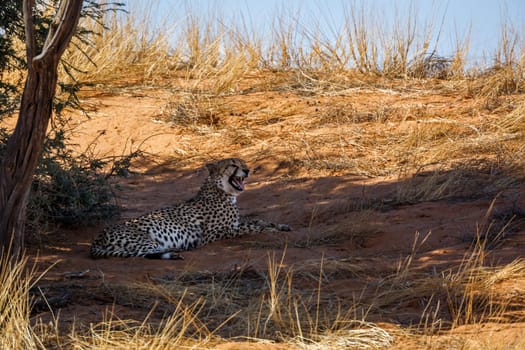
<point x="211" y="215"/>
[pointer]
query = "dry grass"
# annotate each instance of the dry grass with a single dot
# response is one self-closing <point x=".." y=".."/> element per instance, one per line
<point x="471" y="293"/>
<point x="225" y="51"/>
<point x="432" y="148"/>
<point x="15" y="305"/>
<point x="292" y="304"/>
<point x="215" y="54"/>
<point x="181" y="329"/>
<point x="368" y="103"/>
<point x="265" y="306"/>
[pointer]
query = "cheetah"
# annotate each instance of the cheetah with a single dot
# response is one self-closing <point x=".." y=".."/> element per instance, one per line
<point x="209" y="216"/>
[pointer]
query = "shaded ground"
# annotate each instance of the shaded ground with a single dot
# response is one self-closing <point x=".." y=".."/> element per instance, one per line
<point x="358" y="227"/>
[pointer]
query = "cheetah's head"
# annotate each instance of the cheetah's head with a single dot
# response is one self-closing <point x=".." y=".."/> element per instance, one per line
<point x="229" y="174"/>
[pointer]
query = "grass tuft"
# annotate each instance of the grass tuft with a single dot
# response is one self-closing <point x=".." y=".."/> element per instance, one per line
<point x="15" y="304"/>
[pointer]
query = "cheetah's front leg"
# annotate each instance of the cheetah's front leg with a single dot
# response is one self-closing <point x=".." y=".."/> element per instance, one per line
<point x="256" y="226"/>
<point x="243" y="228"/>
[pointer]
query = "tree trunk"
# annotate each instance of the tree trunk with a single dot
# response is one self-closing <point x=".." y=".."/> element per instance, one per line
<point x="25" y="144"/>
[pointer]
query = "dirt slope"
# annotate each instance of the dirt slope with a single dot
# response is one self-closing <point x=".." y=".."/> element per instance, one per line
<point x="309" y="161"/>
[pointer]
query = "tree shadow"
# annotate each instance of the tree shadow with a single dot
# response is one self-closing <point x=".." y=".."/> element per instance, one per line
<point x="362" y="236"/>
<point x="454" y="205"/>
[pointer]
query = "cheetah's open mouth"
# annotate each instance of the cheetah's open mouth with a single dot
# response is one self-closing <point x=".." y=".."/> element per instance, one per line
<point x="237" y="182"/>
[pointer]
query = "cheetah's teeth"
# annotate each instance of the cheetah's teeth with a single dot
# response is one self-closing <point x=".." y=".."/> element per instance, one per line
<point x="238" y="182"/>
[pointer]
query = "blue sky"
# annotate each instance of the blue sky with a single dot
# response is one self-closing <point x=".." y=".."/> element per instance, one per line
<point x="456" y="17"/>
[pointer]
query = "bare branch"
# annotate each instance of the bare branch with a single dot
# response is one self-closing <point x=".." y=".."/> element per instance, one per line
<point x="61" y="30"/>
<point x="29" y="30"/>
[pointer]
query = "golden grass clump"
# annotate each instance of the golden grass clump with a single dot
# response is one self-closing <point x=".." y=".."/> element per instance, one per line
<point x="122" y="46"/>
<point x="471" y="293"/>
<point x="257" y="306"/>
<point x="16" y="331"/>
<point x="181" y="329"/>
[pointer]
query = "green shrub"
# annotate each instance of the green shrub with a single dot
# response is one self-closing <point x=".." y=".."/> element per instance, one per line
<point x="70" y="189"/>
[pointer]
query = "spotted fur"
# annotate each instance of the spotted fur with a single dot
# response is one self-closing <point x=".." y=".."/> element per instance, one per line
<point x="210" y="216"/>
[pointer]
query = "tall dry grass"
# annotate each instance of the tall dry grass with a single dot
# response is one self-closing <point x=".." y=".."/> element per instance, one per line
<point x="310" y="319"/>
<point x="287" y="303"/>
<point x="213" y="53"/>
<point x="182" y="329"/>
<point x="267" y="306"/>
<point x="467" y="294"/>
<point x="123" y="46"/>
<point x="16" y="280"/>
<point x="144" y="46"/>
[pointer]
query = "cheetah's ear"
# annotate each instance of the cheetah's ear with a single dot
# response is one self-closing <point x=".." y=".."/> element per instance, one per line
<point x="212" y="168"/>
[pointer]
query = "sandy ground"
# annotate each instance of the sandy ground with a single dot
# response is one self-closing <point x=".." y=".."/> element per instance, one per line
<point x="321" y="208"/>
